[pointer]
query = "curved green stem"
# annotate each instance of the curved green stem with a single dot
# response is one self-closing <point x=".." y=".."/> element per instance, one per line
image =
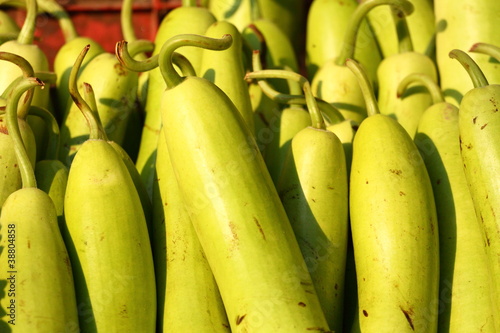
<point x="317" y="119"/>
<point x="27" y="71"/>
<point x="53" y="130"/>
<point x="139" y="46"/>
<point x="329" y="111"/>
<point x="77" y="98"/>
<point x="47" y="77"/>
<point x="424" y="79"/>
<point x="358" y="16"/>
<point x="487" y="49"/>
<point x="89" y="97"/>
<point x="472" y="68"/>
<point x="25" y="167"/>
<point x="127" y="25"/>
<point x="405" y="43"/>
<point x="170" y="75"/>
<point x="27" y="33"/>
<point x="127" y="60"/>
<point x="66" y="25"/>
<point x="365" y="85"/>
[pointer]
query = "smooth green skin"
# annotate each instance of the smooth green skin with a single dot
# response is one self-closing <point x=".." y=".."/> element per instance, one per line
<point x="9" y="171"/>
<point x="225" y="68"/>
<point x="464" y="301"/>
<point x="190" y="288"/>
<point x="338" y="86"/>
<point x="63" y="62"/>
<point x="421" y="24"/>
<point x="52" y="177"/>
<point x="7" y="24"/>
<point x="181" y="20"/>
<point x="345" y="131"/>
<point x="394" y="231"/>
<point x="408" y="109"/>
<point x="139" y="185"/>
<point x="115" y="89"/>
<point x="108" y="243"/>
<point x="479" y="125"/>
<point x="327" y="22"/>
<point x="45" y="295"/>
<point x="291" y="120"/>
<point x="313" y="189"/>
<point x="460" y="24"/>
<point x="237" y="213"/>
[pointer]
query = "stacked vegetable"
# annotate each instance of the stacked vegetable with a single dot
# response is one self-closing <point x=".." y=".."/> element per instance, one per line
<point x="231" y="176"/>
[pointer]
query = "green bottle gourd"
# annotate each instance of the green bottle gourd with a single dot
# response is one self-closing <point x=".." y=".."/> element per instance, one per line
<point x="327" y="24"/>
<point x="183" y="19"/>
<point x="107" y="238"/>
<point x="334" y="82"/>
<point x="465" y="290"/>
<point x="67" y="53"/>
<point x="421" y="25"/>
<point x="25" y="47"/>
<point x="115" y="88"/>
<point x="189" y="286"/>
<point x="459" y="25"/>
<point x="479" y="124"/>
<point x="394" y="226"/>
<point x="226" y="69"/>
<point x="312" y="185"/>
<point x="34" y="258"/>
<point x="246" y="235"/>
<point x="51" y="174"/>
<point x="407" y="108"/>
<point x="9" y="167"/>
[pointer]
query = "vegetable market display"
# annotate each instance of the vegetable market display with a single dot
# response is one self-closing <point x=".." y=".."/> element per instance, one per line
<point x="259" y="166"/>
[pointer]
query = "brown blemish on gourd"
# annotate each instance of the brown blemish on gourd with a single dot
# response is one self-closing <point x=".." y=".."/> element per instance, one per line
<point x="260" y="228"/>
<point x="302" y="304"/>
<point x="124" y="312"/>
<point x="365" y="313"/>
<point x="474" y="120"/>
<point x="3" y="129"/>
<point x="120" y="70"/>
<point x="319" y="329"/>
<point x="401" y="193"/>
<point x="396" y="171"/>
<point x="482" y="127"/>
<point x="239" y="319"/>
<point x="29" y="244"/>
<point x="408" y="314"/>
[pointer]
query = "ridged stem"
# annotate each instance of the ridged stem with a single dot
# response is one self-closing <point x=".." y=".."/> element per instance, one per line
<point x="312" y="106"/>
<point x="472" y="68"/>
<point x="27" y="33"/>
<point x="170" y="75"/>
<point x="23" y="160"/>
<point x="365" y="86"/>
<point x="487" y="49"/>
<point x="432" y="87"/>
<point x="94" y="132"/>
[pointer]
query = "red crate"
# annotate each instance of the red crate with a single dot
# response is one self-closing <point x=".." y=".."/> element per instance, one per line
<point x="99" y="20"/>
